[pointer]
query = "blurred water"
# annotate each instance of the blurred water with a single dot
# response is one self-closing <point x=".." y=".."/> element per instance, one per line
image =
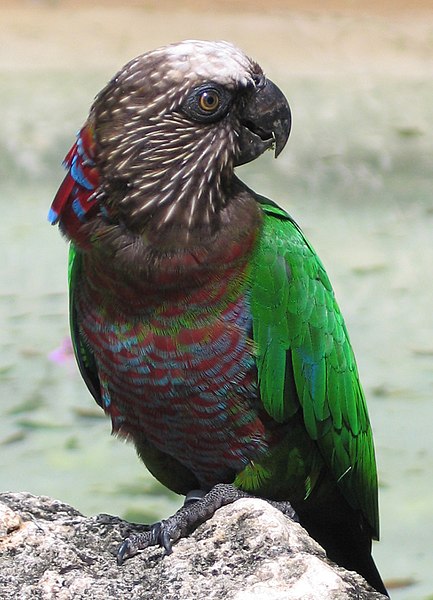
<point x="357" y="177"/>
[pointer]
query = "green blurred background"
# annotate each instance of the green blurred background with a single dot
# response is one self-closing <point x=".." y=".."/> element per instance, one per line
<point x="356" y="175"/>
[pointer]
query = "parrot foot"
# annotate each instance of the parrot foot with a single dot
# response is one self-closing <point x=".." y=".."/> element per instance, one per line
<point x="197" y="508"/>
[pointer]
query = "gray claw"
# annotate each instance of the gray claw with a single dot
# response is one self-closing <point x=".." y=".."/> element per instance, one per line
<point x="165" y="541"/>
<point x="123" y="552"/>
<point x="156" y="536"/>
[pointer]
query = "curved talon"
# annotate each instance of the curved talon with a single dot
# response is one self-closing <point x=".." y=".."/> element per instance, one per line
<point x="155" y="534"/>
<point x="165" y="540"/>
<point x="158" y="535"/>
<point x="123" y="552"/>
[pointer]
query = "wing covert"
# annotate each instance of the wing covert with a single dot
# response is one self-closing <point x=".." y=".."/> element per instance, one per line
<point x="299" y="333"/>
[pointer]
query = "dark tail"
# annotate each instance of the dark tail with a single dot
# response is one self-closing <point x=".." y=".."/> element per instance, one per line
<point x="345" y="540"/>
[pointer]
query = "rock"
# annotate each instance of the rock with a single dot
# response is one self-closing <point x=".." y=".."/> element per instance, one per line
<point x="248" y="551"/>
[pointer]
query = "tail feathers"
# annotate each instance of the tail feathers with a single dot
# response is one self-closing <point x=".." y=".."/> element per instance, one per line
<point x="354" y="554"/>
<point x="347" y="544"/>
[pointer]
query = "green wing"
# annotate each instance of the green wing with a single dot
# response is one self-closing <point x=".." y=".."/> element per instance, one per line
<point x="305" y="360"/>
<point x="84" y="356"/>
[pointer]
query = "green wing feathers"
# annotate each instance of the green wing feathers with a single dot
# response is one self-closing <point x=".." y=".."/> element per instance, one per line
<point x="305" y="360"/>
<point x="73" y="259"/>
<point x="84" y="356"/>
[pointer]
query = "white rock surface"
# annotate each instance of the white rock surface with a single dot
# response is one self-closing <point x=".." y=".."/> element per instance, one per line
<point x="248" y="551"/>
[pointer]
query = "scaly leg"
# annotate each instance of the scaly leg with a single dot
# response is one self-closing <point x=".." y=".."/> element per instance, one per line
<point x="198" y="508"/>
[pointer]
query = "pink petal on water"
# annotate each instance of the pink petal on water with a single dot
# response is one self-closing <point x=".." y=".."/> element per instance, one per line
<point x="64" y="353"/>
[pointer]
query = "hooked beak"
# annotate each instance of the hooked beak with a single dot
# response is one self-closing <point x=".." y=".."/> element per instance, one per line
<point x="265" y="123"/>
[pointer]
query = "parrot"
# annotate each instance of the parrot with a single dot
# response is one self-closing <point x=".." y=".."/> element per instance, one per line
<point x="203" y="322"/>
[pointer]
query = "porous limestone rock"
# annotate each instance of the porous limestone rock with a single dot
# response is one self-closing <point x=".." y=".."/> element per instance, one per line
<point x="247" y="551"/>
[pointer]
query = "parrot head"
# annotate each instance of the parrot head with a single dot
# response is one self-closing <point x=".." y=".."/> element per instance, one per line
<point x="159" y="148"/>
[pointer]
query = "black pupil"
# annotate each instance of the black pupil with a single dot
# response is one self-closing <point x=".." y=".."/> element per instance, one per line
<point x="209" y="99"/>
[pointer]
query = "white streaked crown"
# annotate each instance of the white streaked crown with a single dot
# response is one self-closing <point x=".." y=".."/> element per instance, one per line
<point x="205" y="60"/>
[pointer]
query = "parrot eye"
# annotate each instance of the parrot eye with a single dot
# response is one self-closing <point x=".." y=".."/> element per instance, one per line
<point x="207" y="103"/>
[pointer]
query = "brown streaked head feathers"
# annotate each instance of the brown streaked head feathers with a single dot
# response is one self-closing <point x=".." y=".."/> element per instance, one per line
<point x="163" y="164"/>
